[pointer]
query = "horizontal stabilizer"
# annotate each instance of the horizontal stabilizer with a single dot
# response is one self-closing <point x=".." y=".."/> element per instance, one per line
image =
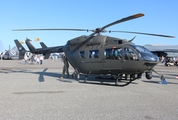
<point x="43" y="45"/>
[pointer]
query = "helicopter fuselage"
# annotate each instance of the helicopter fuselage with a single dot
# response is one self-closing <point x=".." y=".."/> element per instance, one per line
<point x="108" y="55"/>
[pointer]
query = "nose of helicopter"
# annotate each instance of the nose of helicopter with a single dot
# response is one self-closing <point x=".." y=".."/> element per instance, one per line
<point x="148" y="57"/>
<point x="150" y="65"/>
<point x="154" y="60"/>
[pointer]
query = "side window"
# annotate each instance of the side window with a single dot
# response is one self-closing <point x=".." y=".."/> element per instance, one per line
<point x="108" y="53"/>
<point x="94" y="54"/>
<point x="82" y="54"/>
<point x="113" y="53"/>
<point x="129" y="54"/>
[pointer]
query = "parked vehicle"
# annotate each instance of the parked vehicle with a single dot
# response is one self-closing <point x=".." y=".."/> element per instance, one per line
<point x="170" y="62"/>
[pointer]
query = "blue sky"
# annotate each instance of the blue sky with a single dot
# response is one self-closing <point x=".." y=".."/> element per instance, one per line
<point x="160" y="17"/>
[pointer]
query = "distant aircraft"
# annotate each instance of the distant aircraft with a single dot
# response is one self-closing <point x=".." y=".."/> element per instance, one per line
<point x="14" y="53"/>
<point x="46" y="51"/>
<point x="11" y="54"/>
<point x="163" y="50"/>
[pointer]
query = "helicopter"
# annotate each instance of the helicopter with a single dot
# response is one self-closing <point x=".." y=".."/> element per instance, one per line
<point x="46" y="51"/>
<point x="105" y="55"/>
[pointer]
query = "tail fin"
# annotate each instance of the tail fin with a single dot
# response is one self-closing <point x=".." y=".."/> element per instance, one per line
<point x="29" y="45"/>
<point x="46" y="55"/>
<point x="21" y="49"/>
<point x="43" y="45"/>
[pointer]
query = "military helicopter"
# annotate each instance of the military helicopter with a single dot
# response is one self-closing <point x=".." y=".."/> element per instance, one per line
<point x="106" y="55"/>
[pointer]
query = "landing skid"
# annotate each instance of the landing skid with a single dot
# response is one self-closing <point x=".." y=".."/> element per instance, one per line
<point x="118" y="80"/>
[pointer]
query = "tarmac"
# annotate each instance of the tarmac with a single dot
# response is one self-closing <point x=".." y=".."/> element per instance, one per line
<point x="35" y="92"/>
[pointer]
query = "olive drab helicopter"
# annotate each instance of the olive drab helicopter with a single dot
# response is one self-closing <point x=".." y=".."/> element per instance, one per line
<point x="106" y="55"/>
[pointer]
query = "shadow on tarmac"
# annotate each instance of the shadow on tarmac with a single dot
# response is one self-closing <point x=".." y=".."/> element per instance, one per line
<point x="157" y="82"/>
<point x="91" y="79"/>
<point x="38" y="92"/>
<point x="41" y="77"/>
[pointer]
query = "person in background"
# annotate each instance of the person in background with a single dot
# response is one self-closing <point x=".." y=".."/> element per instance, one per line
<point x="38" y="59"/>
<point x="65" y="67"/>
<point x="26" y="58"/>
<point x="41" y="59"/>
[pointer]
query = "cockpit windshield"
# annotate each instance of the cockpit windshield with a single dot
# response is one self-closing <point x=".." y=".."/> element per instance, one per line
<point x="146" y="55"/>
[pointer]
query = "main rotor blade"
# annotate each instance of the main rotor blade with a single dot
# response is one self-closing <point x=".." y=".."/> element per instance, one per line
<point x="40" y="29"/>
<point x="83" y="43"/>
<point x="145" y="34"/>
<point x="123" y="20"/>
<point x="113" y="23"/>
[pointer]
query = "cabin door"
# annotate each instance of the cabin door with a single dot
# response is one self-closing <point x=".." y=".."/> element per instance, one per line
<point x="112" y="59"/>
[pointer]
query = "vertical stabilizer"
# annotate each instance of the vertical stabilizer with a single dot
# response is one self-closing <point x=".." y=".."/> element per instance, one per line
<point x="21" y="49"/>
<point x="30" y="46"/>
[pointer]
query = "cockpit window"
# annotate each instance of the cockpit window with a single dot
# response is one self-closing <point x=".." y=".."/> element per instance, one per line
<point x="129" y="54"/>
<point x="145" y="54"/>
<point x="94" y="54"/>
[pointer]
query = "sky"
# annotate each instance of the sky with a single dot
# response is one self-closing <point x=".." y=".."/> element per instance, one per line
<point x="160" y="17"/>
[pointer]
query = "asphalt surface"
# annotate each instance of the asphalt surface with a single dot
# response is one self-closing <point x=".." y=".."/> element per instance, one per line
<point x="35" y="92"/>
